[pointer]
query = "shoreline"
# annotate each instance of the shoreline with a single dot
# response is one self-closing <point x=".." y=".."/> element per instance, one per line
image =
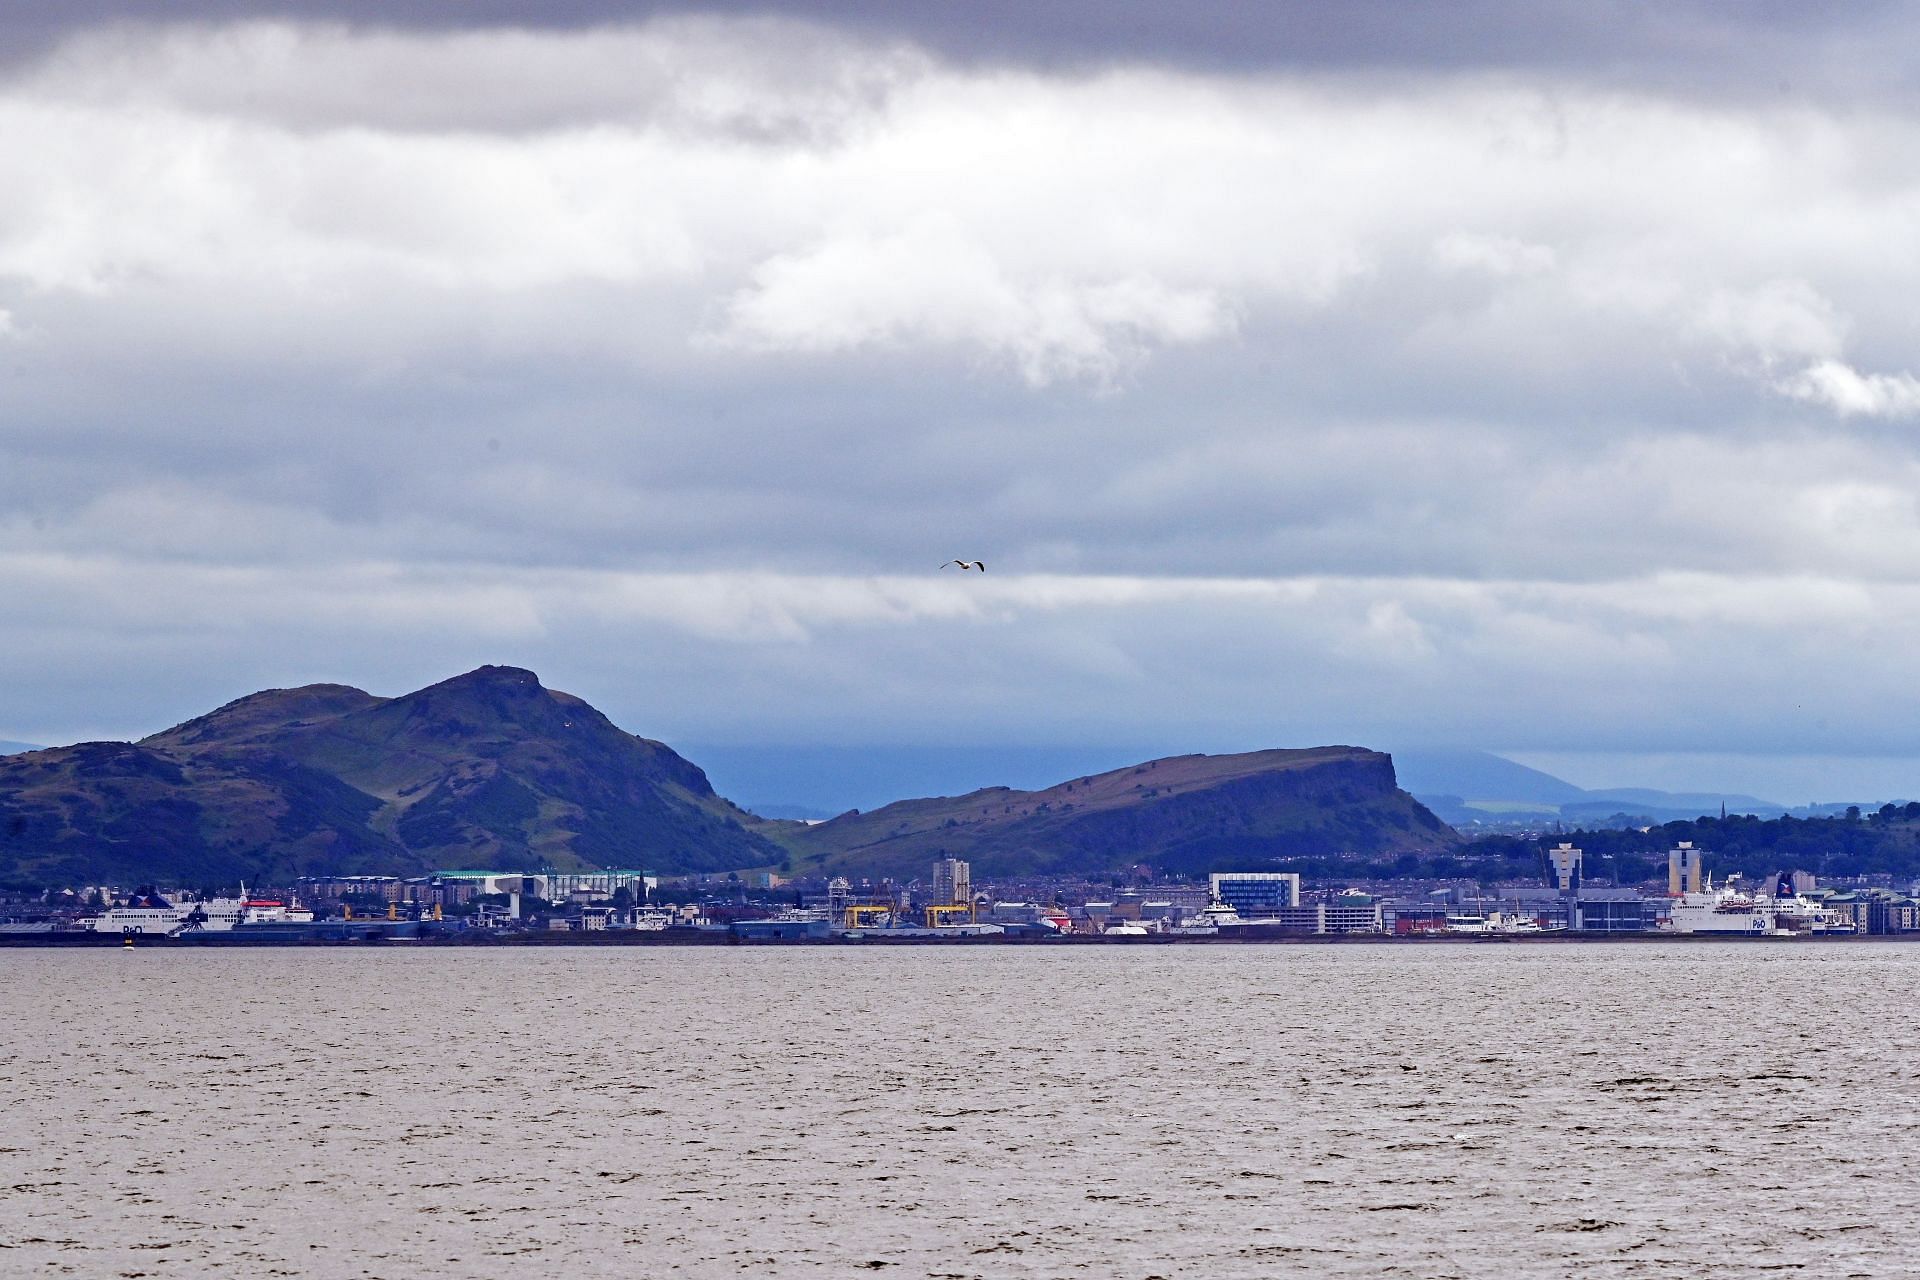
<point x="678" y="938"/>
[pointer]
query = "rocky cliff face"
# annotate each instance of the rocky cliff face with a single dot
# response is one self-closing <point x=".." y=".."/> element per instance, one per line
<point x="489" y="768"/>
<point x="1183" y="814"/>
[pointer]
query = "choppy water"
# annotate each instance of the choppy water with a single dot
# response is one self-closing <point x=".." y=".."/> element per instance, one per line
<point x="1643" y="1110"/>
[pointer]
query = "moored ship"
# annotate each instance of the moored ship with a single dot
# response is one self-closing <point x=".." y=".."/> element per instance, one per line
<point x="241" y="920"/>
<point x="1731" y="910"/>
<point x="151" y="913"/>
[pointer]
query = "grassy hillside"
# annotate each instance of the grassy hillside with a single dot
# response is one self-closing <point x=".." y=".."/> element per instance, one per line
<point x="488" y="768"/>
<point x="1183" y="814"/>
<point x="492" y="769"/>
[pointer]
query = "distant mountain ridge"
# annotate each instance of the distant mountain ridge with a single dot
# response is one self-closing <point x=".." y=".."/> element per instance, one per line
<point x="1467" y="785"/>
<point x="488" y="768"/>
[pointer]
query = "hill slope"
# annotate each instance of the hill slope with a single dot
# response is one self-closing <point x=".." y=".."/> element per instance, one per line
<point x="1184" y="814"/>
<point x="488" y="768"/>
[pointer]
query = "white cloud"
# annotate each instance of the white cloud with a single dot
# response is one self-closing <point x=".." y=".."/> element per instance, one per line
<point x="1788" y="322"/>
<point x="933" y="282"/>
<point x="1496" y="255"/>
<point x="1850" y="393"/>
<point x="854" y="196"/>
<point x="1775" y="321"/>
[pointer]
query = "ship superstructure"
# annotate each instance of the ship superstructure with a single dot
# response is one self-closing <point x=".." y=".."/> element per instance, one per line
<point x="151" y="913"/>
<point x="1733" y="910"/>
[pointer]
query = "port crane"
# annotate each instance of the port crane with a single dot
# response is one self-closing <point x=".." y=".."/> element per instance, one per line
<point x="858" y="915"/>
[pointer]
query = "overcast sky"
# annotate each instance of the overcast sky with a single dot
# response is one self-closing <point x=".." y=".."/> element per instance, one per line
<point x="1539" y="377"/>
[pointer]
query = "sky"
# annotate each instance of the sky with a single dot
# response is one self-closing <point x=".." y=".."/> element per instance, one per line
<point x="1538" y="377"/>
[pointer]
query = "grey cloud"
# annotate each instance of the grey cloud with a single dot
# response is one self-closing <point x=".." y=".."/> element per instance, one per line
<point x="765" y="82"/>
<point x="1283" y="412"/>
<point x="1687" y="662"/>
<point x="870" y="469"/>
<point x="1687" y="45"/>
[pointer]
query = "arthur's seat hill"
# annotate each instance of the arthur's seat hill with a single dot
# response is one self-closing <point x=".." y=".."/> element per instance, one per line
<point x="491" y="768"/>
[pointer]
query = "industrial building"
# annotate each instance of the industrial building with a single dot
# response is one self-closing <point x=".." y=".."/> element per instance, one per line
<point x="1612" y="911"/>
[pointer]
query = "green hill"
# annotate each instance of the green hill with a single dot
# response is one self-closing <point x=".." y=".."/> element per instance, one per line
<point x="486" y="769"/>
<point x="492" y="769"/>
<point x="1183" y="814"/>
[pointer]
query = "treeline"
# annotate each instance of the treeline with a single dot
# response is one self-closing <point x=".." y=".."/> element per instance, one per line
<point x="1885" y="841"/>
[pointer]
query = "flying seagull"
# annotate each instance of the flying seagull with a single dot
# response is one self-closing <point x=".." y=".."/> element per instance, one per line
<point x="981" y="565"/>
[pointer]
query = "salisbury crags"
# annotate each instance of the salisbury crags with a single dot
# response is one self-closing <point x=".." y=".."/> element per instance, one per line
<point x="1184" y="814"/>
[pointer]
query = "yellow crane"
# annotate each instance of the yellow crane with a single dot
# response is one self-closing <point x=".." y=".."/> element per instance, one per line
<point x="938" y="915"/>
<point x="858" y="914"/>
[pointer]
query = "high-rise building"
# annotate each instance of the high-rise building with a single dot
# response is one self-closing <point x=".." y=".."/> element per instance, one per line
<point x="952" y="882"/>
<point x="1683" y="868"/>
<point x="1254" y="894"/>
<point x="1565" y="861"/>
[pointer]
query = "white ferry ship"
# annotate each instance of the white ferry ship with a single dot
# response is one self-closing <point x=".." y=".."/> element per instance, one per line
<point x="149" y="913"/>
<point x="152" y="913"/>
<point x="1731" y="910"/>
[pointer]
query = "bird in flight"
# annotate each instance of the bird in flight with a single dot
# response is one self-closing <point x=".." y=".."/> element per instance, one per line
<point x="981" y="565"/>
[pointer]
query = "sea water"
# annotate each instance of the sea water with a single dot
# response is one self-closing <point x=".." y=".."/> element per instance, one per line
<point x="1484" y="1110"/>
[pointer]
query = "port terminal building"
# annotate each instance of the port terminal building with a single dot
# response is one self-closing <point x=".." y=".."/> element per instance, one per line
<point x="1256" y="895"/>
